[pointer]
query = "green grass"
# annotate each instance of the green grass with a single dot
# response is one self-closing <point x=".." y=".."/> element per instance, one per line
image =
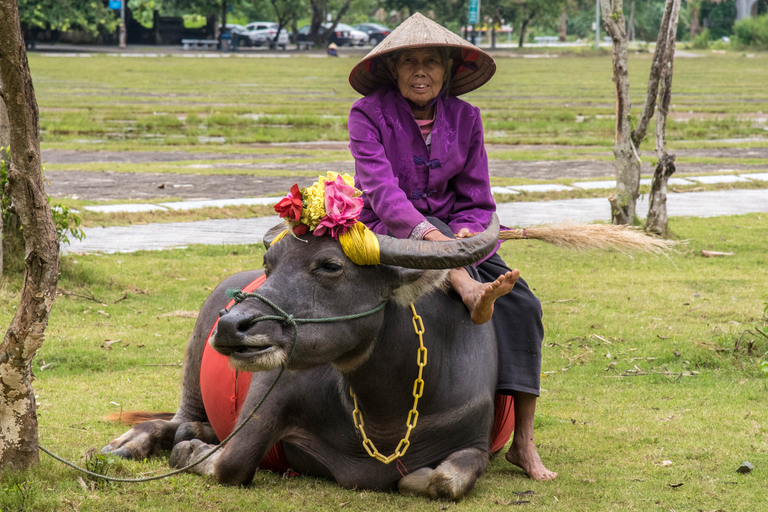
<point x="605" y="427"/>
<point x="141" y="103"/>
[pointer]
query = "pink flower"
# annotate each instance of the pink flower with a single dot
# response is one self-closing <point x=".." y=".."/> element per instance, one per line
<point x="341" y="206"/>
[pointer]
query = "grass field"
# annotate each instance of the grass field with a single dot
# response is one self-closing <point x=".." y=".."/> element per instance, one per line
<point x="196" y="103"/>
<point x="652" y="398"/>
<point x="654" y="392"/>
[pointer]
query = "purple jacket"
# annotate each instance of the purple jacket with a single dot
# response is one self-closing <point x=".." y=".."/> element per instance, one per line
<point x="402" y="182"/>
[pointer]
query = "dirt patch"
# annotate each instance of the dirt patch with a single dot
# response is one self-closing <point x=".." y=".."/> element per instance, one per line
<point x="70" y="156"/>
<point x="107" y="185"/>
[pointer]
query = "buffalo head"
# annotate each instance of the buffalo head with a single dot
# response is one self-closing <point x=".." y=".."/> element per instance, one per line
<point x="311" y="277"/>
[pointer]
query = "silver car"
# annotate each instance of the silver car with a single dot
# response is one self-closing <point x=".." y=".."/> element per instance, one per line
<point x="262" y="33"/>
<point x="357" y="37"/>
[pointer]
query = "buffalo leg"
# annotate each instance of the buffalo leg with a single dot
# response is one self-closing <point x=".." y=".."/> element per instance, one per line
<point x="451" y="480"/>
<point x="144" y="440"/>
<point x="237" y="461"/>
<point x="233" y="464"/>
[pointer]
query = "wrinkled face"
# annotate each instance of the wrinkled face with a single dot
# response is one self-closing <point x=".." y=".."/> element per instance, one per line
<point x="420" y="74"/>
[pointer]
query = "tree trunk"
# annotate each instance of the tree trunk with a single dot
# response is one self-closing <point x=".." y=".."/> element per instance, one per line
<point x="631" y="23"/>
<point x="563" y="23"/>
<point x="657" y="211"/>
<point x="523" y="30"/>
<point x="5" y="141"/>
<point x="5" y="127"/>
<point x="627" y="161"/>
<point x="694" y="21"/>
<point x="18" y="419"/>
<point x="318" y="17"/>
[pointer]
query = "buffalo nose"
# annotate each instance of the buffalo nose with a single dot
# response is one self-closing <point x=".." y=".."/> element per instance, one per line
<point x="234" y="323"/>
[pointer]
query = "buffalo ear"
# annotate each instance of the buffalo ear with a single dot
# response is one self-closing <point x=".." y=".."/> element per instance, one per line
<point x="414" y="284"/>
<point x="272" y="233"/>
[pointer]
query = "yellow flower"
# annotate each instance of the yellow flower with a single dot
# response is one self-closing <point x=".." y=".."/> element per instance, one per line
<point x="314" y="204"/>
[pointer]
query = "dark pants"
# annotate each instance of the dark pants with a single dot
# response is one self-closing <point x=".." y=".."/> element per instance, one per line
<point x="517" y="321"/>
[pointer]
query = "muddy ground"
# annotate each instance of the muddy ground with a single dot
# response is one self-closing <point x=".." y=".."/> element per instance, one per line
<point x="110" y="185"/>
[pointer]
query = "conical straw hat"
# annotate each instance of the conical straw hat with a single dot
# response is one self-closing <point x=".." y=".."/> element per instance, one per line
<point x="472" y="67"/>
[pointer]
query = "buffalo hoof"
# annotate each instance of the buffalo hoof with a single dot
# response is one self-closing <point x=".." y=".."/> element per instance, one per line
<point x="187" y="452"/>
<point x="449" y="481"/>
<point x="195" y="430"/>
<point x="143" y="440"/>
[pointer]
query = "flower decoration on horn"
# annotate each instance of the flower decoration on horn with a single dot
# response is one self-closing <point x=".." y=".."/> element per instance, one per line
<point x="331" y="205"/>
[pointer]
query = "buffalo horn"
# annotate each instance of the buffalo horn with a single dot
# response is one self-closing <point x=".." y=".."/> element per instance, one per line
<point x="272" y="233"/>
<point x="423" y="254"/>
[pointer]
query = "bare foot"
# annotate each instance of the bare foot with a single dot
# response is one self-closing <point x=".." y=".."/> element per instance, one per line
<point x="480" y="303"/>
<point x="527" y="458"/>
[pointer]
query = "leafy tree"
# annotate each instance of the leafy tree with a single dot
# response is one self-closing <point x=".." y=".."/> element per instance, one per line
<point x="526" y="13"/>
<point x="718" y="17"/>
<point x="94" y="16"/>
<point x="287" y="12"/>
<point x="320" y="9"/>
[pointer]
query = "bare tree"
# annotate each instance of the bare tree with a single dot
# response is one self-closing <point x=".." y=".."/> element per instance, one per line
<point x="657" y="211"/>
<point x="18" y="419"/>
<point x="627" y="142"/>
<point x="624" y="150"/>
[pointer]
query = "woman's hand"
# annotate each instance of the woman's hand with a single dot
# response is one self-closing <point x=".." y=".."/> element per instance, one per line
<point x="436" y="236"/>
<point x="465" y="233"/>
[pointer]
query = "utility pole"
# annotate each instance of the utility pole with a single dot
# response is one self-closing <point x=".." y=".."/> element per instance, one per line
<point x="597" y="24"/>
<point x="122" y="24"/>
<point x="223" y="24"/>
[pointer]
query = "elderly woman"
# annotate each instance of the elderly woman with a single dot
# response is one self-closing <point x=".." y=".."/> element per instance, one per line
<point x="421" y="163"/>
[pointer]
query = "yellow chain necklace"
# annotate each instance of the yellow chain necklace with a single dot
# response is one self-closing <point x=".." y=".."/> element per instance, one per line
<point x="413" y="415"/>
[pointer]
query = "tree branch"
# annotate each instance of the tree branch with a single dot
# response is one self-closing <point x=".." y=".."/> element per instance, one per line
<point x="638" y="134"/>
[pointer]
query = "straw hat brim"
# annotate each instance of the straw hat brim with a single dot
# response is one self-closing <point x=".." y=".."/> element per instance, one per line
<point x="472" y="67"/>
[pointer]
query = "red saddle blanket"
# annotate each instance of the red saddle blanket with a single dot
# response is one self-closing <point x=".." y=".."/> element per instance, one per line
<point x="224" y="391"/>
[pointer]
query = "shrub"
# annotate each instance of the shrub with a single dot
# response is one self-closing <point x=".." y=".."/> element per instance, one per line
<point x="752" y="32"/>
<point x="701" y="41"/>
<point x="66" y="221"/>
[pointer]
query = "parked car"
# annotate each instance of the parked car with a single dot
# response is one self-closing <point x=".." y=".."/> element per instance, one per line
<point x="340" y="36"/>
<point x="357" y="37"/>
<point x="262" y="33"/>
<point x="376" y="33"/>
<point x="234" y="28"/>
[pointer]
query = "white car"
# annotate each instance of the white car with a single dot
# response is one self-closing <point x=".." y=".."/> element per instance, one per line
<point x="357" y="37"/>
<point x="262" y="33"/>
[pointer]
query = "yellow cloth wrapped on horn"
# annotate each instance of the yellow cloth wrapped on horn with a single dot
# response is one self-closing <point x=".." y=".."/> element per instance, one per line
<point x="360" y="245"/>
<point x="279" y="237"/>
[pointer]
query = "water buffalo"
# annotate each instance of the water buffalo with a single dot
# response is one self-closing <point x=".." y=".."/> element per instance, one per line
<point x="310" y="412"/>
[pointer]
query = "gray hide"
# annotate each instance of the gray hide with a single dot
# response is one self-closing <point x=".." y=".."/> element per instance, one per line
<point x="310" y="411"/>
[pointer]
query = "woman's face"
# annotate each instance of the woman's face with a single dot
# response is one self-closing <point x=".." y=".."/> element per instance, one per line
<point x="420" y="74"/>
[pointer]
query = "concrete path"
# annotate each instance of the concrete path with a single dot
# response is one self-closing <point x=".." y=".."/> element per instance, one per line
<point x="510" y="190"/>
<point x="520" y="214"/>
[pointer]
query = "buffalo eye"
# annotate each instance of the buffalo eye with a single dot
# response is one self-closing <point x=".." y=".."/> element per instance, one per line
<point x="328" y="267"/>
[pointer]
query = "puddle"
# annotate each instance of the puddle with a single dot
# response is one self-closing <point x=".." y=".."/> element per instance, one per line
<point x="205" y="138"/>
